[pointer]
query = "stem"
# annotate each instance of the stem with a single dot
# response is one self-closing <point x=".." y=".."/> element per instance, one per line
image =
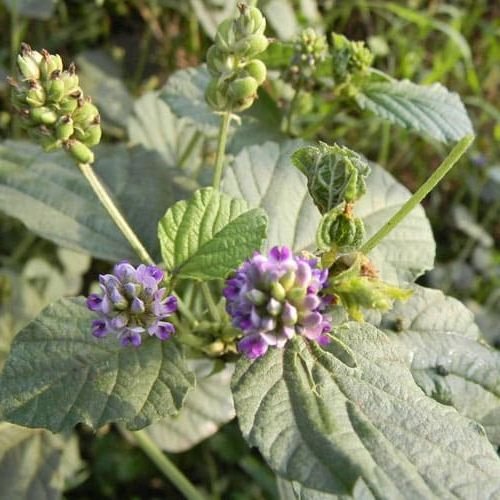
<point x="167" y="467"/>
<point x="114" y="213"/>
<point x="212" y="306"/>
<point x="455" y="155"/>
<point x="184" y="310"/>
<point x="221" y="147"/>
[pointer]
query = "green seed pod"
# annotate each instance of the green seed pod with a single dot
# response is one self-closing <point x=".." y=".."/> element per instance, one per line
<point x="224" y="37"/>
<point x="43" y="115"/>
<point x="55" y="88"/>
<point x="49" y="64"/>
<point x="70" y="79"/>
<point x="80" y="152"/>
<point x="64" y="128"/>
<point x="35" y="97"/>
<point x="257" y="70"/>
<point x="250" y="22"/>
<point x="68" y="105"/>
<point x="251" y="45"/>
<point x="85" y="114"/>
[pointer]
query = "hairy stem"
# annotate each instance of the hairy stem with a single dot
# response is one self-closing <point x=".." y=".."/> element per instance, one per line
<point x="455" y="155"/>
<point x="212" y="306"/>
<point x="221" y="148"/>
<point x="167" y="467"/>
<point x="114" y="212"/>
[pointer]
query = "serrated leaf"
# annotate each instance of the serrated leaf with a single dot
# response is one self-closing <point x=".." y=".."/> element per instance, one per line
<point x="185" y="94"/>
<point x="207" y="407"/>
<point x="34" y="9"/>
<point x="51" y="197"/>
<point x="34" y="463"/>
<point x="407" y="251"/>
<point x="430" y="110"/>
<point x="58" y="375"/>
<point x="210" y="235"/>
<point x="324" y="425"/>
<point x="448" y="362"/>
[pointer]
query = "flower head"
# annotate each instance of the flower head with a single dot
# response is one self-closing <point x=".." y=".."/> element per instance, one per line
<point x="132" y="303"/>
<point x="272" y="298"/>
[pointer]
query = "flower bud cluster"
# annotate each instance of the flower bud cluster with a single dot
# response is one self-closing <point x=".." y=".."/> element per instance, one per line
<point x="275" y="297"/>
<point x="350" y="60"/>
<point x="132" y="303"/>
<point x="236" y="73"/>
<point x="51" y="105"/>
<point x="310" y="49"/>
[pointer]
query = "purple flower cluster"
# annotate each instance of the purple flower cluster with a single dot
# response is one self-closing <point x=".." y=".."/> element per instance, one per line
<point x="131" y="304"/>
<point x="272" y="298"/>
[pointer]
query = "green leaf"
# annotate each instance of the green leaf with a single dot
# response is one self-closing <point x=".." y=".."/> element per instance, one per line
<point x="154" y="126"/>
<point x="58" y="375"/>
<point x="34" y="463"/>
<point x="265" y="177"/>
<point x="440" y="339"/>
<point x="280" y="15"/>
<point x="185" y="94"/>
<point x="207" y="407"/>
<point x="210" y="235"/>
<point x="324" y="424"/>
<point x="34" y="9"/>
<point x="430" y="110"/>
<point x="409" y="249"/>
<point x="50" y="196"/>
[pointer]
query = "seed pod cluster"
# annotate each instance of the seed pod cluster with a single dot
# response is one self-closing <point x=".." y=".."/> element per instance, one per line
<point x="236" y="72"/>
<point x="310" y="49"/>
<point x="51" y="105"/>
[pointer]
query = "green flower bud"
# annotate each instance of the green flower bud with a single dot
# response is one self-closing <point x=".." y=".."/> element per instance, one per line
<point x="250" y="22"/>
<point x="80" y="152"/>
<point x="257" y="70"/>
<point x="55" y="88"/>
<point x="43" y="136"/>
<point x="49" y="64"/>
<point x="251" y="45"/>
<point x="64" y="128"/>
<point x="296" y="295"/>
<point x="70" y="79"/>
<point x="92" y="135"/>
<point x="277" y="291"/>
<point x="43" y="115"/>
<point x="68" y="105"/>
<point x="340" y="231"/>
<point x="28" y="63"/>
<point x="219" y="62"/>
<point x="224" y="37"/>
<point x="243" y="88"/>
<point x="215" y="97"/>
<point x="35" y="97"/>
<point x="85" y="114"/>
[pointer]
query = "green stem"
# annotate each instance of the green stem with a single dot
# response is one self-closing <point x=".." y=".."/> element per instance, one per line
<point x="291" y="109"/>
<point x="212" y="306"/>
<point x="184" y="310"/>
<point x="455" y="155"/>
<point x="114" y="213"/>
<point x="221" y="148"/>
<point x="167" y="467"/>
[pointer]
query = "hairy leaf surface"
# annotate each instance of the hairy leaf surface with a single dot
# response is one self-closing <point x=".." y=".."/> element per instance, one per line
<point x="430" y="110"/>
<point x="448" y="362"/>
<point x="58" y="375"/>
<point x="324" y="424"/>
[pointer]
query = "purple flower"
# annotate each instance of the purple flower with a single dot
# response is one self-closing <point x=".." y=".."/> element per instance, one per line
<point x="272" y="298"/>
<point x="132" y="303"/>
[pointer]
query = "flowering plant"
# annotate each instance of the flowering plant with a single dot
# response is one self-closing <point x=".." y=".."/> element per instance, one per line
<point x="295" y="268"/>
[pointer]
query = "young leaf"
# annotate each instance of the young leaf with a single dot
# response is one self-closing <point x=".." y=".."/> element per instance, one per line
<point x="35" y="463"/>
<point x="50" y="196"/>
<point x="323" y="424"/>
<point x="210" y="235"/>
<point x="207" y="407"/>
<point x="58" y="375"/>
<point x="430" y="110"/>
<point x="447" y="361"/>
